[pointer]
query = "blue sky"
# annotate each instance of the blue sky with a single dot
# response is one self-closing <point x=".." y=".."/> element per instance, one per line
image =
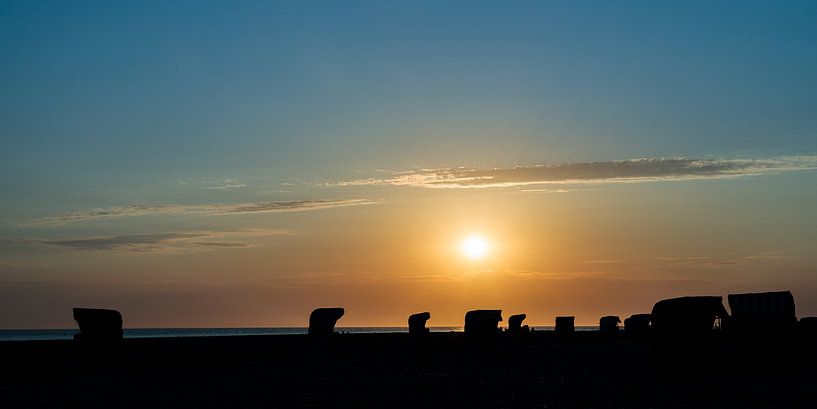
<point x="260" y="88"/>
<point x="220" y="103"/>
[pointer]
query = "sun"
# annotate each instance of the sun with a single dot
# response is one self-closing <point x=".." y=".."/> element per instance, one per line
<point x="474" y="247"/>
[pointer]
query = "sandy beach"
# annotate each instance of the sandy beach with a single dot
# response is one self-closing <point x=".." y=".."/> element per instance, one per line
<point x="384" y="371"/>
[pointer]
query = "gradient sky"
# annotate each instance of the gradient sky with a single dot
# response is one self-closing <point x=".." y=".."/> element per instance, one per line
<point x="240" y="163"/>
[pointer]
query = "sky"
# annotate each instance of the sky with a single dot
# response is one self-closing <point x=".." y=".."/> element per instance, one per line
<point x="223" y="164"/>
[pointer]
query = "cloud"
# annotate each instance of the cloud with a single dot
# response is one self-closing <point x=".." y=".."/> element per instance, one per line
<point x="214" y="210"/>
<point x="603" y="261"/>
<point x="776" y="257"/>
<point x="552" y="191"/>
<point x="227" y="184"/>
<point x="134" y="242"/>
<point x="632" y="170"/>
<point x="173" y="242"/>
<point x="20" y="265"/>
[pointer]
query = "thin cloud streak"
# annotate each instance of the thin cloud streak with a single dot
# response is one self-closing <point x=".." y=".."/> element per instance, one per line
<point x="554" y="191"/>
<point x="623" y="171"/>
<point x="213" y="210"/>
<point x="227" y="184"/>
<point x="172" y="242"/>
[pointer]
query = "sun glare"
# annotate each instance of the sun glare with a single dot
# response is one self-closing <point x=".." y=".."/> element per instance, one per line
<point x="474" y="247"/>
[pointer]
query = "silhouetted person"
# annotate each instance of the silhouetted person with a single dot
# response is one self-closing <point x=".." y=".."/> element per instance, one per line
<point x="515" y="326"/>
<point x="482" y="323"/>
<point x="638" y="325"/>
<point x="322" y="320"/>
<point x="683" y="333"/>
<point x="565" y="326"/>
<point x="608" y="326"/>
<point x="417" y="323"/>
<point x="763" y="326"/>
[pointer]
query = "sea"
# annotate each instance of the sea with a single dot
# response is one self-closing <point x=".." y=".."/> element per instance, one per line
<point x="57" y="334"/>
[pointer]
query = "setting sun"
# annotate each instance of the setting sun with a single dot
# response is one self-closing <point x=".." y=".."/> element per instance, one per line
<point x="474" y="247"/>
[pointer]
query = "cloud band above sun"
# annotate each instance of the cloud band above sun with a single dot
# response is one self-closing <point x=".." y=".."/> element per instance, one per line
<point x="202" y="209"/>
<point x="166" y="242"/>
<point x="622" y="171"/>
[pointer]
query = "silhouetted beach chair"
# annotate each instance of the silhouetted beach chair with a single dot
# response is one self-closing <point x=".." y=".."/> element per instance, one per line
<point x="608" y="326"/>
<point x="683" y="333"/>
<point x="482" y="323"/>
<point x="755" y="314"/>
<point x="100" y="333"/>
<point x="763" y="326"/>
<point x="565" y="325"/>
<point x="98" y="326"/>
<point x="807" y="327"/>
<point x="638" y="325"/>
<point x="515" y="326"/>
<point x="417" y="323"/>
<point x="322" y="320"/>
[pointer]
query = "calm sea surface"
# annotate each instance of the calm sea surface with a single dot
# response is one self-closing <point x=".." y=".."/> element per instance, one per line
<point x="52" y="334"/>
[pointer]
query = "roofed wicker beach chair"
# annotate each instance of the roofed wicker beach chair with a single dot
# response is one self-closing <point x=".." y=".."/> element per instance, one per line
<point x="608" y="326"/>
<point x="565" y="326"/>
<point x="807" y="327"/>
<point x="482" y="323"/>
<point x="755" y="314"/>
<point x="687" y="317"/>
<point x="515" y="326"/>
<point x="764" y="328"/>
<point x="684" y="337"/>
<point x="322" y="320"/>
<point x="417" y="323"/>
<point x="98" y="325"/>
<point x="100" y="333"/>
<point x="638" y="325"/>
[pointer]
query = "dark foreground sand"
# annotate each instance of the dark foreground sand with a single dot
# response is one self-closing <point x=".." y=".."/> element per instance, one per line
<point x="384" y="371"/>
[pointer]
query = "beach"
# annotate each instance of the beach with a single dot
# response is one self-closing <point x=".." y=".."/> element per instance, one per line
<point x="542" y="370"/>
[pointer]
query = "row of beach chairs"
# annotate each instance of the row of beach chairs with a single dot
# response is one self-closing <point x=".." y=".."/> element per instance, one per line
<point x="754" y="316"/>
<point x="103" y="325"/>
<point x="757" y="320"/>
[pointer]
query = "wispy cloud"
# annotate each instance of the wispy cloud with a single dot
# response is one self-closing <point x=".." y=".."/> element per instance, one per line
<point x="227" y="184"/>
<point x="21" y="265"/>
<point x="206" y="209"/>
<point x="552" y="191"/>
<point x="633" y="170"/>
<point x="603" y="261"/>
<point x="172" y="242"/>
<point x="759" y="258"/>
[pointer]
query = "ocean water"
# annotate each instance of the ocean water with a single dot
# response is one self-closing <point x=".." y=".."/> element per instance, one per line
<point x="56" y="334"/>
